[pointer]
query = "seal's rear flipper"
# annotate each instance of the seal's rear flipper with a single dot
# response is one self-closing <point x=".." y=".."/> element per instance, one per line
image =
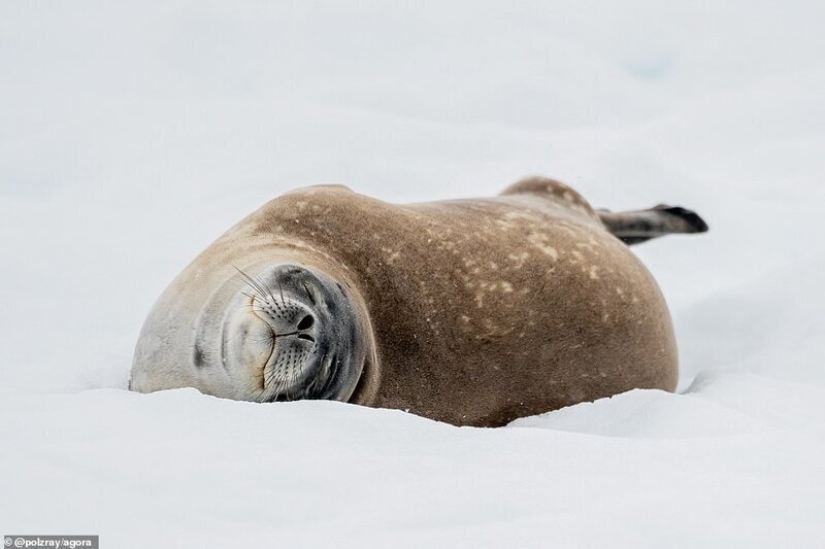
<point x="642" y="225"/>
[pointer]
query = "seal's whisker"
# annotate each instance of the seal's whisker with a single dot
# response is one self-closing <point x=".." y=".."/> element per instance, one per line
<point x="253" y="283"/>
<point x="257" y="308"/>
<point x="295" y="371"/>
<point x="272" y="375"/>
<point x="242" y="282"/>
<point x="267" y="291"/>
<point x="281" y="289"/>
<point x="281" y="384"/>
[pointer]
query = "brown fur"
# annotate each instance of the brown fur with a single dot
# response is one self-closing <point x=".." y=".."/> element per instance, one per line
<point x="484" y="310"/>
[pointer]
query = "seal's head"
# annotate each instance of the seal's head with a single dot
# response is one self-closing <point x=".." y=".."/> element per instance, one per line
<point x="291" y="334"/>
<point x="264" y="334"/>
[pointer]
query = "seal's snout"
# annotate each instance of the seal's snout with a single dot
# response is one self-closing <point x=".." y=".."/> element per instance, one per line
<point x="293" y="335"/>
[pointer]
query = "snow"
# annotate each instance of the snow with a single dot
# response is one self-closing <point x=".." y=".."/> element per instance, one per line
<point x="134" y="134"/>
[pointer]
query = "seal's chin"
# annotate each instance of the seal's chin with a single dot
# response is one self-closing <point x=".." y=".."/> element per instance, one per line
<point x="292" y="333"/>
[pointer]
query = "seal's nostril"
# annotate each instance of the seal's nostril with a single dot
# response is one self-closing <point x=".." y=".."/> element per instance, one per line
<point x="306" y="323"/>
<point x="306" y="337"/>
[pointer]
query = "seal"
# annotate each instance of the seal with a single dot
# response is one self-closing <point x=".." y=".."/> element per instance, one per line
<point x="472" y="312"/>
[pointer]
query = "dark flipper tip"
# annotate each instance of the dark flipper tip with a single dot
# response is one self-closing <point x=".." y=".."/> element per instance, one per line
<point x="695" y="223"/>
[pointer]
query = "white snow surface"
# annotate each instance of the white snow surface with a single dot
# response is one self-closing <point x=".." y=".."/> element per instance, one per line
<point x="133" y="134"/>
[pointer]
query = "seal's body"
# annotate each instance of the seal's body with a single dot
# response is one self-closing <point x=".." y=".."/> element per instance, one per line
<point x="473" y="312"/>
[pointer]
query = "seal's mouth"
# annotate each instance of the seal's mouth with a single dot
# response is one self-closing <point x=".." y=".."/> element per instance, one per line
<point x="293" y="335"/>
